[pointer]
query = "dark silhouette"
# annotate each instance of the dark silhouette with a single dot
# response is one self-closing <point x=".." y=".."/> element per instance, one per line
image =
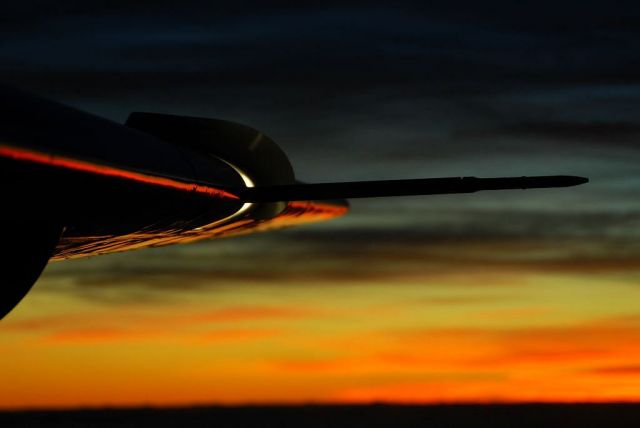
<point x="77" y="185"/>
<point x="455" y="415"/>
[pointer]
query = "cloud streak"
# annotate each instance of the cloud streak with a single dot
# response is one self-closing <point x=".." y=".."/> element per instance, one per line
<point x="492" y="296"/>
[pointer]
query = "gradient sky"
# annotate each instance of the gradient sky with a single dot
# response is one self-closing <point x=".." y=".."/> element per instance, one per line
<point x="505" y="296"/>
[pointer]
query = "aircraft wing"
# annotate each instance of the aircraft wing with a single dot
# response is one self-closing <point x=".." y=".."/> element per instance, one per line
<point x="76" y="185"/>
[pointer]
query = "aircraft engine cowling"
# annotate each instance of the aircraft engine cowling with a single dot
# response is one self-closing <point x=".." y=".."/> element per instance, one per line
<point x="248" y="150"/>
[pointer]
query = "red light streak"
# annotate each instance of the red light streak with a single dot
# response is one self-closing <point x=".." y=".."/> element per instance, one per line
<point x="35" y="156"/>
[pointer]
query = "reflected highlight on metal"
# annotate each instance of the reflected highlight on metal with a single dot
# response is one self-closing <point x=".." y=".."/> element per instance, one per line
<point x="35" y="156"/>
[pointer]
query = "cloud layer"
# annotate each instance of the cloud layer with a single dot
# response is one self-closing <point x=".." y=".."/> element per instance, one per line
<point x="490" y="296"/>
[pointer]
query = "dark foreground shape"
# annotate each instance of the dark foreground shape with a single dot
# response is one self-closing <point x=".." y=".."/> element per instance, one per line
<point x="28" y="241"/>
<point x="477" y="416"/>
<point x="75" y="185"/>
<point x="414" y="187"/>
<point x="30" y="252"/>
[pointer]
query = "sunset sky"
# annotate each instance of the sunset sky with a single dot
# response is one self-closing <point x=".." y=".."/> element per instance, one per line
<point x="498" y="296"/>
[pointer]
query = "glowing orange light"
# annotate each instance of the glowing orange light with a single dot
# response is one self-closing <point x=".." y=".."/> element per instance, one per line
<point x="35" y="156"/>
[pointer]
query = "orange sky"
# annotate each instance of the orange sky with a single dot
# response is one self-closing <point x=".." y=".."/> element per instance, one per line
<point x="495" y="296"/>
<point x="493" y="333"/>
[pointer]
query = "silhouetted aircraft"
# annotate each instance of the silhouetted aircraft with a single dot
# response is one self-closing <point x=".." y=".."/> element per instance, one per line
<point x="76" y="185"/>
